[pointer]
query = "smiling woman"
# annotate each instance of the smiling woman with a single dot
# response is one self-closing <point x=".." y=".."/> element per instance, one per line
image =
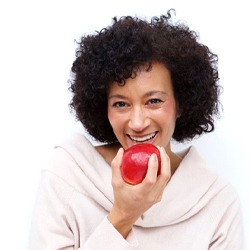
<point x="138" y="82"/>
<point x="144" y="108"/>
<point x="118" y="53"/>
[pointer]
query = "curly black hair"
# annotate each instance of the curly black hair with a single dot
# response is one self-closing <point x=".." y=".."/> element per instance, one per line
<point x="116" y="53"/>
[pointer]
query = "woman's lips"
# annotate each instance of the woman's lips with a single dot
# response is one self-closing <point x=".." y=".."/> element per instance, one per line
<point x="142" y="139"/>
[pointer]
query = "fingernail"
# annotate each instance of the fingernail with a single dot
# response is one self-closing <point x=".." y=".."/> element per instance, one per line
<point x="154" y="157"/>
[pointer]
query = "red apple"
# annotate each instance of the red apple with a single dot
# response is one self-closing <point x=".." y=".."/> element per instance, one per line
<point x="135" y="162"/>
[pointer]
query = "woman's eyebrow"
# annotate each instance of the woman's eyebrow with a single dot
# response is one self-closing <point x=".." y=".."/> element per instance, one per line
<point x="153" y="92"/>
<point x="148" y="94"/>
<point x="117" y="96"/>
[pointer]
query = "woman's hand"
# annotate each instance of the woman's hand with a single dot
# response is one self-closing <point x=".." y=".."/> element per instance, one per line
<point x="131" y="201"/>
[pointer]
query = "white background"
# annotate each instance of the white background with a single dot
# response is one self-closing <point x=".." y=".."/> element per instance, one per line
<point x="36" y="52"/>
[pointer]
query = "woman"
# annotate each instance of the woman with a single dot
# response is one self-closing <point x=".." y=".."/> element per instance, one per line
<point x="138" y="82"/>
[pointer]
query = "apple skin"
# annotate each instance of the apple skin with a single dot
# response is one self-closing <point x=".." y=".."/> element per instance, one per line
<point x="135" y="162"/>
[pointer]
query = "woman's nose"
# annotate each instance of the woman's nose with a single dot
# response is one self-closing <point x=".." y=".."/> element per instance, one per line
<point x="138" y="120"/>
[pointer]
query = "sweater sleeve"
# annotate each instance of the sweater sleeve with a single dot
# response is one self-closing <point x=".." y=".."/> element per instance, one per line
<point x="230" y="234"/>
<point x="50" y="228"/>
<point x="106" y="237"/>
<point x="52" y="224"/>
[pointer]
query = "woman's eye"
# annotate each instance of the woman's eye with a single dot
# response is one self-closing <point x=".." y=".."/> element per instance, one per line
<point x="119" y="104"/>
<point x="154" y="101"/>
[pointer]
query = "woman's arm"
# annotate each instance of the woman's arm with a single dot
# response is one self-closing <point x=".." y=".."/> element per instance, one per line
<point x="54" y="226"/>
<point x="131" y="201"/>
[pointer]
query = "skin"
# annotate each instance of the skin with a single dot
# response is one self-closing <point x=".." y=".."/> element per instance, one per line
<point x="143" y="110"/>
<point x="144" y="106"/>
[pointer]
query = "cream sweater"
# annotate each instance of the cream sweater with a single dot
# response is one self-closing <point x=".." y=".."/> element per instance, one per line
<point x="198" y="211"/>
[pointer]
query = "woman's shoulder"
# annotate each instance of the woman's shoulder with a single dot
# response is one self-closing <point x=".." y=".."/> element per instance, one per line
<point x="68" y="153"/>
<point x="196" y="169"/>
<point x="77" y="162"/>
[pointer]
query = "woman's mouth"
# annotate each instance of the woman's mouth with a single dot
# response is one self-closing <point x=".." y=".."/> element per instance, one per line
<point x="142" y="139"/>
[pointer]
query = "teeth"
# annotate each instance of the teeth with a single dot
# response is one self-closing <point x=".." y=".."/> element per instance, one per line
<point x="143" y="139"/>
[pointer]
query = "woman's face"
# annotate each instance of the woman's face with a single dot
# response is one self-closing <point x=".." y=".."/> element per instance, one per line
<point x="144" y="110"/>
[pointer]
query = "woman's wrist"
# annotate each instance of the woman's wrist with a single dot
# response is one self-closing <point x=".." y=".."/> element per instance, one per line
<point x="121" y="224"/>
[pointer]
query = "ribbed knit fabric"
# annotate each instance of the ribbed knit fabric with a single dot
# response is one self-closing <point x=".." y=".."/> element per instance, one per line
<point x="198" y="210"/>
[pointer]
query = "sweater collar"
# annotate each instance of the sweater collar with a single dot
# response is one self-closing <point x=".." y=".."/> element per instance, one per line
<point x="185" y="194"/>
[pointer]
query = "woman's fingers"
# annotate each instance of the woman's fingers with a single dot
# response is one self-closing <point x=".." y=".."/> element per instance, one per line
<point x="134" y="200"/>
<point x="116" y="167"/>
<point x="151" y="175"/>
<point x="164" y="176"/>
<point x="165" y="171"/>
<point x="154" y="183"/>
